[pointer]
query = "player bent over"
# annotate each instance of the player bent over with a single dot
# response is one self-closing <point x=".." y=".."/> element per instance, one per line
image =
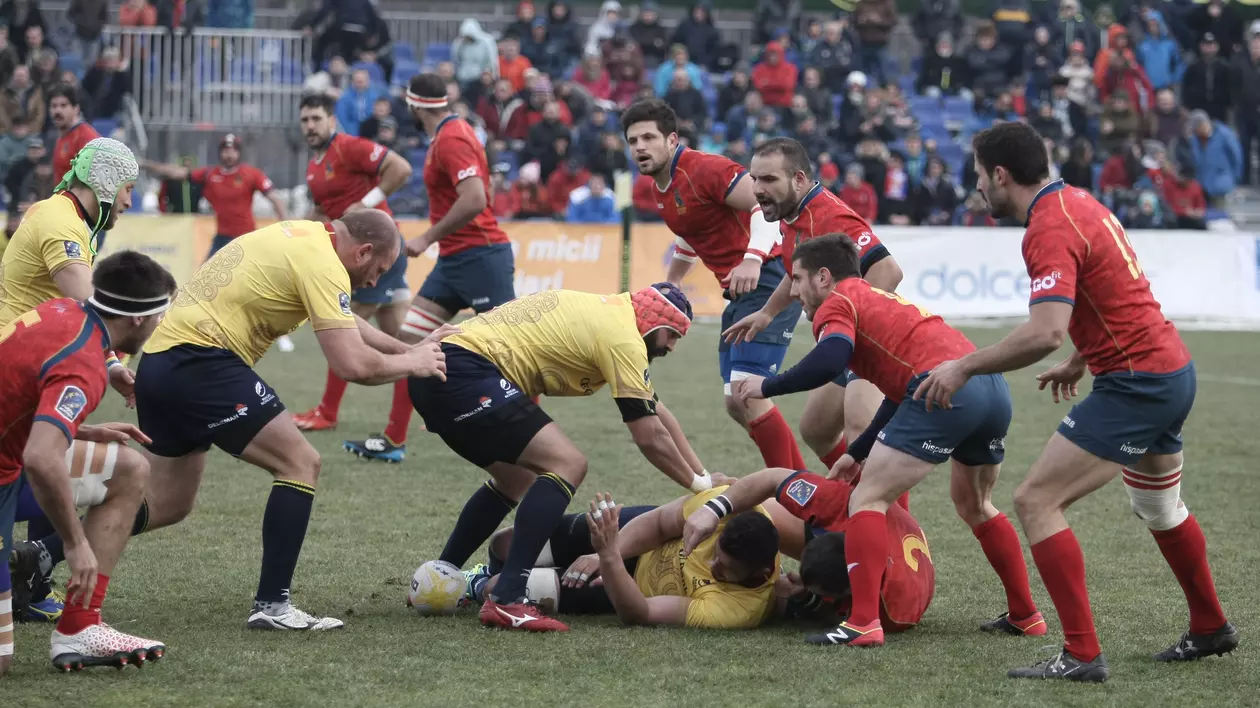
<point x="557" y="343"/>
<point x="196" y="386"/>
<point x="51" y="382"/>
<point x="1088" y="284"/>
<point x="894" y="344"/>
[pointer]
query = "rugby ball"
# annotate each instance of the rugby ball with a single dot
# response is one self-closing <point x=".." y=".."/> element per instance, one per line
<point x="543" y="588"/>
<point x="437" y="587"/>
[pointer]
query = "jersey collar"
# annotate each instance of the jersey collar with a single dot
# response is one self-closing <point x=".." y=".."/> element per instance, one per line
<point x="97" y="321"/>
<point x="438" y="128"/>
<point x="814" y="191"/>
<point x="673" y="167"/>
<point x="1055" y="186"/>
<point x="78" y="207"/>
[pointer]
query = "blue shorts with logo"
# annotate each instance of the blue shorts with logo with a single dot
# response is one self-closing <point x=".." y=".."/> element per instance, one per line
<point x="390" y="288"/>
<point x="480" y="278"/>
<point x="1127" y="416"/>
<point x="846" y="378"/>
<point x="973" y="431"/>
<point x="764" y="355"/>
<point x="189" y="398"/>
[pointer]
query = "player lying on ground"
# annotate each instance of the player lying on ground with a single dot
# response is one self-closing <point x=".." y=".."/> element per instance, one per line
<point x="894" y="344"/>
<point x="345" y="174"/>
<point x="706" y="202"/>
<point x="50" y="459"/>
<point x="557" y="343"/>
<point x="780" y="170"/>
<point x="823" y="505"/>
<point x="1087" y="284"/>
<point x="50" y="256"/>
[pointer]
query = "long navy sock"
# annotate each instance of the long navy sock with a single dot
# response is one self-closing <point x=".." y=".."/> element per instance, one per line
<point x="284" y="528"/>
<point x="540" y="512"/>
<point x="482" y="514"/>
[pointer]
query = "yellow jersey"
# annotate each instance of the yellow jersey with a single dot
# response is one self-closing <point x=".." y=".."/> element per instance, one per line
<point x="258" y="287"/>
<point x="53" y="234"/>
<point x="714" y="605"/>
<point x="563" y="343"/>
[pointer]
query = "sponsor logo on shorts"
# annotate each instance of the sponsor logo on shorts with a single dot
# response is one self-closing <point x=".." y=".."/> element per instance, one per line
<point x="1067" y="420"/>
<point x="480" y="301"/>
<point x="509" y="390"/>
<point x="71" y="403"/>
<point x="801" y="491"/>
<point x="242" y="411"/>
<point x="937" y="449"/>
<point x="1047" y="282"/>
<point x="260" y="389"/>
<point x="343" y="301"/>
<point x="787" y="334"/>
<point x="1130" y="450"/>
<point x="879" y="435"/>
<point x="483" y="404"/>
<point x="997" y="444"/>
<point x="73" y="250"/>
<point x="774" y="368"/>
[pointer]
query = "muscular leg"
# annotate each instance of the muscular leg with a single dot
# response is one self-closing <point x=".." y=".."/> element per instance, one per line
<point x="861" y="400"/>
<point x="822" y="423"/>
<point x="766" y="426"/>
<point x="971" y="489"/>
<point x="108" y="525"/>
<point x="173" y="485"/>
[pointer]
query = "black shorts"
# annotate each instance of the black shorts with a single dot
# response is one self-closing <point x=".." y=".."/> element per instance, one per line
<point x="189" y="398"/>
<point x="479" y="413"/>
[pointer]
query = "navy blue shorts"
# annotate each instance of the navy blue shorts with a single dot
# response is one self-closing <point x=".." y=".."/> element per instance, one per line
<point x="480" y="414"/>
<point x="764" y="355"/>
<point x="480" y="278"/>
<point x="217" y="244"/>
<point x="973" y="431"/>
<point x="390" y="288"/>
<point x="846" y="378"/>
<point x="189" y="398"/>
<point x="9" y="494"/>
<point x="1126" y="417"/>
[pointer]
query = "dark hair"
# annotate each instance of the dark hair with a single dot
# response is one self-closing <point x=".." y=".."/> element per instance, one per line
<point x="133" y="275"/>
<point x="319" y="100"/>
<point x="835" y="252"/>
<point x="750" y="538"/>
<point x="795" y="158"/>
<point x="1017" y="148"/>
<point x="66" y="91"/>
<point x="823" y="565"/>
<point x="652" y="110"/>
<point x="371" y="226"/>
<point x="428" y="86"/>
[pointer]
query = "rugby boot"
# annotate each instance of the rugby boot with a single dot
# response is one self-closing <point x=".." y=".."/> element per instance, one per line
<point x="1065" y="667"/>
<point x="1196" y="646"/>
<point x="102" y="645"/>
<point x="519" y="616"/>
<point x="314" y="420"/>
<point x="1033" y="626"/>
<point x="376" y="447"/>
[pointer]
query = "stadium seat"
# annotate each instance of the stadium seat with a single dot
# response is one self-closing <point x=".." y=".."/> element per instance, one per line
<point x="404" y="51"/>
<point x="72" y="62"/>
<point x="289" y="72"/>
<point x="404" y="69"/>
<point x="373" y="69"/>
<point x="953" y="156"/>
<point x="926" y="109"/>
<point x="437" y="52"/>
<point x="907" y="83"/>
<point x="837" y="103"/>
<point x="105" y="126"/>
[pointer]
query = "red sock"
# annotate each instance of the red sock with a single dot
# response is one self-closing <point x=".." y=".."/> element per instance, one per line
<point x="1001" y="546"/>
<point x="903" y="501"/>
<point x="775" y="441"/>
<point x="399" y="414"/>
<point x="76" y="618"/>
<point x="866" y="552"/>
<point x="333" y="391"/>
<point x="836" y="453"/>
<point x="1062" y="567"/>
<point x="1185" y="549"/>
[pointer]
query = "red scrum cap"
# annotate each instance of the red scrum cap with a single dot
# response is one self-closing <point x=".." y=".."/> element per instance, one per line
<point x="661" y="305"/>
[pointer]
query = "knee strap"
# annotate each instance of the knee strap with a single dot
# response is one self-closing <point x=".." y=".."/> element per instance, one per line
<point x="91" y="467"/>
<point x="1156" y="499"/>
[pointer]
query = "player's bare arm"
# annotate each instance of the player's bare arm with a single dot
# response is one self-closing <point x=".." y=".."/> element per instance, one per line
<point x="631" y="606"/>
<point x="378" y="340"/>
<point x="763" y="236"/>
<point x="111" y="432"/>
<point x="885" y="275"/>
<point x="744" y="494"/>
<point x="750" y="326"/>
<point x="44" y="463"/>
<point x="642" y="534"/>
<point x="471" y="201"/>
<point x="657" y="445"/>
<point x="282" y="214"/>
<point x="353" y="360"/>
<point x="74" y="281"/>
<point x="680" y="439"/>
<point x="682" y="262"/>
<point x="1026" y="345"/>
<point x="175" y="172"/>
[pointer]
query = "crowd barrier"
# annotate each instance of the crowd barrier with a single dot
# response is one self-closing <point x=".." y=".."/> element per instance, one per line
<point x="1203" y="277"/>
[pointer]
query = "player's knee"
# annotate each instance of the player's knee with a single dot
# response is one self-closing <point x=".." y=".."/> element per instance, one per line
<point x="734" y="409"/>
<point x="499" y="544"/>
<point x="573" y="470"/>
<point x="1156" y="499"/>
<point x="820" y="435"/>
<point x="971" y="504"/>
<point x="131" y="474"/>
<point x="304" y="466"/>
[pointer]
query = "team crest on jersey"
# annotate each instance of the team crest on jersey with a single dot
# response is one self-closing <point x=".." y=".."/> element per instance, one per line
<point x="801" y="491"/>
<point x="71" y="403"/>
<point x="678" y="203"/>
<point x="73" y="250"/>
<point x="343" y="300"/>
<point x="328" y="170"/>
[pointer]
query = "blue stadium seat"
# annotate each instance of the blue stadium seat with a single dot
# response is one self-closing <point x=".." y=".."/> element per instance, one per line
<point x="953" y="156"/>
<point x="404" y="50"/>
<point x="72" y="62"/>
<point x="437" y="53"/>
<point x="926" y="108"/>
<point x="105" y="126"/>
<point x="907" y="82"/>
<point x="415" y="156"/>
<point x="404" y="69"/>
<point x="837" y="103"/>
<point x="935" y="131"/>
<point x="289" y="72"/>
<point x="373" y="69"/>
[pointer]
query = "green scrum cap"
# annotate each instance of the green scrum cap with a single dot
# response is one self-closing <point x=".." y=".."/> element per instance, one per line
<point x="106" y="166"/>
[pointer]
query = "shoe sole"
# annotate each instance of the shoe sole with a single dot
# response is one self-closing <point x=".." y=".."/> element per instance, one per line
<point x="1083" y="678"/>
<point x="72" y="661"/>
<point x="1013" y="631"/>
<point x="369" y="456"/>
<point x="524" y="629"/>
<point x="265" y="624"/>
<point x="1222" y="651"/>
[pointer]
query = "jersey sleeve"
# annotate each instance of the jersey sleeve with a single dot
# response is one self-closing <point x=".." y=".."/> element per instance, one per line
<point x="716" y="176"/>
<point x="326" y="294"/>
<point x="721" y="607"/>
<point x="198" y="176"/>
<point x="459" y="159"/>
<point x="817" y="500"/>
<point x="870" y="249"/>
<point x="836" y="318"/>
<point x="68" y="396"/>
<point x="364" y="156"/>
<point x="64" y="243"/>
<point x="1053" y="257"/>
<point x="622" y="360"/>
<point x="262" y="183"/>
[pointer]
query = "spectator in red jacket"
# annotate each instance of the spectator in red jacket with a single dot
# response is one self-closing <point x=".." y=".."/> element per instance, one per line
<point x="506" y="200"/>
<point x="568" y="176"/>
<point x="775" y="77"/>
<point x="531" y="194"/>
<point x="592" y="75"/>
<point x="1184" y="195"/>
<point x="859" y="194"/>
<point x="496" y="109"/>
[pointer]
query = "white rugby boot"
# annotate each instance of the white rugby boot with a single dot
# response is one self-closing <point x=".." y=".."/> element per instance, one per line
<point x="102" y="645"/>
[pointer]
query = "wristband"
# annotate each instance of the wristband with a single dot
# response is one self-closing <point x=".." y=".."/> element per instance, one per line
<point x="372" y="198"/>
<point x="754" y="256"/>
<point x="111" y="361"/>
<point x="719" y="505"/>
<point x="701" y="483"/>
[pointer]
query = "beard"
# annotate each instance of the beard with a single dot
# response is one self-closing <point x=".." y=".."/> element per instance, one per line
<point x="998" y="208"/>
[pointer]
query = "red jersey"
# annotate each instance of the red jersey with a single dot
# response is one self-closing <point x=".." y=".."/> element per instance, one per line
<point x="69" y="145"/>
<point x="231" y="194"/>
<point x="54" y="371"/>
<point x="893" y="340"/>
<point x="694" y="208"/>
<point x="349" y="168"/>
<point x="910" y="578"/>
<point x="455" y="155"/>
<point x="1076" y="252"/>
<point x="822" y="213"/>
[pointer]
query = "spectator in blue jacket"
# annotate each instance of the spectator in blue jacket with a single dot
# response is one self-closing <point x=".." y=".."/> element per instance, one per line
<point x="1159" y="53"/>
<point x="1217" y="156"/>
<point x="355" y="105"/>
<point x="679" y="60"/>
<point x="741" y="121"/>
<point x="593" y="204"/>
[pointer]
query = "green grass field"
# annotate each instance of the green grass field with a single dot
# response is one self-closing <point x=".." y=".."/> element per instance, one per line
<point x="191" y="585"/>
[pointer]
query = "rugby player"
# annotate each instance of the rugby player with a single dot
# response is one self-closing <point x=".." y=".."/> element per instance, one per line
<point x="196" y="386"/>
<point x="712" y="210"/>
<point x="475" y="266"/>
<point x="229" y="187"/>
<point x="1087" y="284"/>
<point x="50" y="256"/>
<point x="782" y="182"/>
<point x="893" y="344"/>
<point x="51" y="460"/>
<point x="558" y="343"/>
<point x="345" y="174"/>
<point x="73" y="133"/>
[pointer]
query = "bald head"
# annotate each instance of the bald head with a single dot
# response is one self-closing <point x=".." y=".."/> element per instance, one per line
<point x="368" y="245"/>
